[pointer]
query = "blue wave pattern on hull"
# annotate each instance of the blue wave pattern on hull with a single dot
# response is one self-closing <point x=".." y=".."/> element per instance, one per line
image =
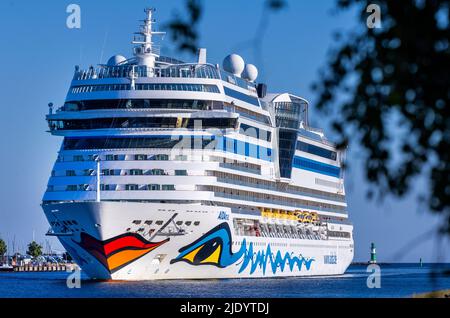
<point x="261" y="260"/>
<point x="214" y="248"/>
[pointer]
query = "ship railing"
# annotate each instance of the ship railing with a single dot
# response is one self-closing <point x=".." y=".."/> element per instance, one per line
<point x="313" y="133"/>
<point x="278" y="202"/>
<point x="239" y="168"/>
<point x="187" y="70"/>
<point x="274" y="188"/>
<point x="336" y="221"/>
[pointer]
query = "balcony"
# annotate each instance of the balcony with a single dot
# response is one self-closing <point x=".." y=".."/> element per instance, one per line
<point x="262" y="185"/>
<point x="240" y="168"/>
<point x="277" y="202"/>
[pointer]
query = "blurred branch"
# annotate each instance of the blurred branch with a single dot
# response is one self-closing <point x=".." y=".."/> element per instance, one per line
<point x="184" y="31"/>
<point x="400" y="71"/>
<point x="255" y="43"/>
<point x="397" y="72"/>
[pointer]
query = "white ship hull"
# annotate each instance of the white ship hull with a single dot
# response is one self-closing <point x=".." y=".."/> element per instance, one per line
<point x="106" y="244"/>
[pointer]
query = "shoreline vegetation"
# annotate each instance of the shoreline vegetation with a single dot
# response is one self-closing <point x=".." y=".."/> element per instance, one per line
<point x="434" y="294"/>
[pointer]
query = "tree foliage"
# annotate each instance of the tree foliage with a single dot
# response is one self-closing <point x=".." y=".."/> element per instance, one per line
<point x="396" y="83"/>
<point x="3" y="247"/>
<point x="184" y="31"/>
<point x="34" y="249"/>
<point x="395" y="80"/>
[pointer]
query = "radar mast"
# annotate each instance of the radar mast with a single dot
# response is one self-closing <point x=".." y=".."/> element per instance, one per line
<point x="146" y="52"/>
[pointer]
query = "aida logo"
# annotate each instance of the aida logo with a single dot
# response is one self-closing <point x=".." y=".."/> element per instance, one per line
<point x="223" y="215"/>
<point x="330" y="259"/>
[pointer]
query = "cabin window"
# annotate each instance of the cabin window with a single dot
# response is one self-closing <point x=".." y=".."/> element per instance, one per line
<point x="168" y="187"/>
<point x="180" y="172"/>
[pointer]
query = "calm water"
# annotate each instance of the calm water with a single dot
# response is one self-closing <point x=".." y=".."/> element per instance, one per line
<point x="397" y="280"/>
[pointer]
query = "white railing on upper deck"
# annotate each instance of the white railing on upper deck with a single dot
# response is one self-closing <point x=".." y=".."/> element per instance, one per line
<point x="124" y="71"/>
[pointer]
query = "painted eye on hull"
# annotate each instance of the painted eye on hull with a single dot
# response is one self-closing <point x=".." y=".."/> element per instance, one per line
<point x="208" y="253"/>
<point x="213" y="248"/>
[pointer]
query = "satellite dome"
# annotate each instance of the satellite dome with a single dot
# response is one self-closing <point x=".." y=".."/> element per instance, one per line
<point x="116" y="60"/>
<point x="234" y="64"/>
<point x="250" y="72"/>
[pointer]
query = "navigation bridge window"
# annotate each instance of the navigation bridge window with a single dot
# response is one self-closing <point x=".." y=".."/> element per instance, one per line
<point x="288" y="116"/>
<point x="286" y="142"/>
<point x="315" y="150"/>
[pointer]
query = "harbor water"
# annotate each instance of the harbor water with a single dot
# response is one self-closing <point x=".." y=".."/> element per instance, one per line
<point x="396" y="280"/>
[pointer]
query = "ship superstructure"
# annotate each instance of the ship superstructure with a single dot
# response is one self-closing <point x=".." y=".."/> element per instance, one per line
<point x="172" y="170"/>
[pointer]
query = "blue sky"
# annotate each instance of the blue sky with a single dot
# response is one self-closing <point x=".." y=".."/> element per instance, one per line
<point x="38" y="55"/>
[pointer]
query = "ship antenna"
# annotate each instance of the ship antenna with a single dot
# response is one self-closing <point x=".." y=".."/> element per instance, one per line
<point x="146" y="52"/>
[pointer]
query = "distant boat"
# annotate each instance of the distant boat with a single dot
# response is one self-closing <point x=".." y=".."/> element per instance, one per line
<point x="6" y="268"/>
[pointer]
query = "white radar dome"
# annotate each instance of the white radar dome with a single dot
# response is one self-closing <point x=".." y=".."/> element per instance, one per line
<point x="234" y="64"/>
<point x="250" y="72"/>
<point x="116" y="60"/>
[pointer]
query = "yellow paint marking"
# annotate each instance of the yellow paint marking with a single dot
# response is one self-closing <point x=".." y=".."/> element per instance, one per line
<point x="190" y="257"/>
<point x="214" y="257"/>
<point x="123" y="257"/>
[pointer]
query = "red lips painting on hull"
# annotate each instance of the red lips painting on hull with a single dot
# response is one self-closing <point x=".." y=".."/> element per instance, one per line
<point x="119" y="251"/>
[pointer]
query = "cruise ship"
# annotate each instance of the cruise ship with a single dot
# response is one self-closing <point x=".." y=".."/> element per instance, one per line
<point x="190" y="170"/>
